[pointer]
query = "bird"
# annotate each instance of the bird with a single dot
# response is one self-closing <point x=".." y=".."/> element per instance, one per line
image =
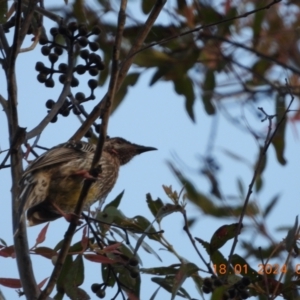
<point x="51" y="184"/>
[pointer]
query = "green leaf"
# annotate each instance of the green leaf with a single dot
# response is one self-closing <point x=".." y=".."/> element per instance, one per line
<point x="60" y="285"/>
<point x="184" y="86"/>
<point x="154" y="205"/>
<point x="147" y="6"/>
<point x="3" y="11"/>
<point x="279" y="139"/>
<point x="79" y="11"/>
<point x="185" y="271"/>
<point x="222" y="235"/>
<point x="171" y="270"/>
<point x="207" y="92"/>
<point x="291" y="238"/>
<point x="167" y="284"/>
<point x="262" y="159"/>
<point x="115" y="203"/>
<point x="240" y="266"/>
<point x="217" y="258"/>
<point x="271" y="205"/>
<point x="218" y="293"/>
<point x="154" y="294"/>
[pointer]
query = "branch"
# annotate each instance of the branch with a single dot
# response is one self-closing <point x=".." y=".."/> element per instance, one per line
<point x="268" y="141"/>
<point x="175" y="36"/>
<point x="87" y="184"/>
<point x="259" y="54"/>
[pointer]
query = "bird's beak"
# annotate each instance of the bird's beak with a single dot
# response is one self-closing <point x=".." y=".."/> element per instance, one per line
<point x="142" y="149"/>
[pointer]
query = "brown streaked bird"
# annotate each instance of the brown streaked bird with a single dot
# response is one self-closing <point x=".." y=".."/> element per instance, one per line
<point x="52" y="183"/>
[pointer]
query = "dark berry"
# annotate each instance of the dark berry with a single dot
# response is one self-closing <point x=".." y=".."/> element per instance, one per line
<point x="49" y="83"/>
<point x="241" y="287"/>
<point x="50" y="103"/>
<point x="84" y="54"/>
<point x="100" y="65"/>
<point x="82" y="29"/>
<point x="232" y="293"/>
<point x="63" y="67"/>
<point x="45" y="50"/>
<point x="65" y="112"/>
<point x="225" y="296"/>
<point x="94" y="46"/>
<point x="95" y="287"/>
<point x="218" y="282"/>
<point x="63" y="30"/>
<point x="42" y="77"/>
<point x="54" y="119"/>
<point x="244" y="294"/>
<point x="134" y="274"/>
<point x="206" y="290"/>
<point x="96" y="30"/>
<point x="62" y="78"/>
<point x="54" y="31"/>
<point x="53" y="57"/>
<point x="74" y="82"/>
<point x="43" y="40"/>
<point x="89" y="133"/>
<point x="39" y="66"/>
<point x="97" y="129"/>
<point x="133" y="260"/>
<point x="73" y="26"/>
<point x="100" y="293"/>
<point x="58" y="50"/>
<point x="207" y="282"/>
<point x="30" y="30"/>
<point x="92" y="83"/>
<point x="83" y="41"/>
<point x="80" y="69"/>
<point x="93" y="71"/>
<point x="246" y="281"/>
<point x="80" y="96"/>
<point x="76" y="111"/>
<point x="93" y="57"/>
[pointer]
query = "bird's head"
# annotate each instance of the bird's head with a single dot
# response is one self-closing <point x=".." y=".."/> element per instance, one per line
<point x="123" y="149"/>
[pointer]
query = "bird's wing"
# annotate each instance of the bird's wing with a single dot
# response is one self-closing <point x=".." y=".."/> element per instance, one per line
<point x="59" y="154"/>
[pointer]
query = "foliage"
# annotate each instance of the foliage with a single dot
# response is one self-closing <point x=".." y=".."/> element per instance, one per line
<point x="200" y="53"/>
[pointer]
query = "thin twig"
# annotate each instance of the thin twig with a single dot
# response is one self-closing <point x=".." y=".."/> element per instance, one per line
<point x="256" y="172"/>
<point x="187" y="230"/>
<point x="175" y="36"/>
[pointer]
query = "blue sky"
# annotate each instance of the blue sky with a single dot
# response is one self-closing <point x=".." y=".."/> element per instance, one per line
<point x="155" y="116"/>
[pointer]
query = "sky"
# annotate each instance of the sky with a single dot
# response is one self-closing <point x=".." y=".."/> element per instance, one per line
<point x="155" y="116"/>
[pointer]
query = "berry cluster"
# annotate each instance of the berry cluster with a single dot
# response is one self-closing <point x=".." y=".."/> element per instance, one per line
<point x="130" y="264"/>
<point x="99" y="289"/>
<point x="238" y="291"/>
<point x="70" y="39"/>
<point x="74" y="35"/>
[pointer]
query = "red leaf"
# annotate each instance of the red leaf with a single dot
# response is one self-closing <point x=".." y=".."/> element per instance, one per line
<point x="42" y="235"/>
<point x="45" y="252"/>
<point x="99" y="259"/>
<point x="112" y="248"/>
<point x="40" y="285"/>
<point x="8" y="252"/>
<point x="85" y="239"/>
<point x="11" y="283"/>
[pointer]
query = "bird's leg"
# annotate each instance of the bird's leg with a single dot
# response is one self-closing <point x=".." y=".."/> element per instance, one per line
<point x="71" y="217"/>
<point x="85" y="174"/>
